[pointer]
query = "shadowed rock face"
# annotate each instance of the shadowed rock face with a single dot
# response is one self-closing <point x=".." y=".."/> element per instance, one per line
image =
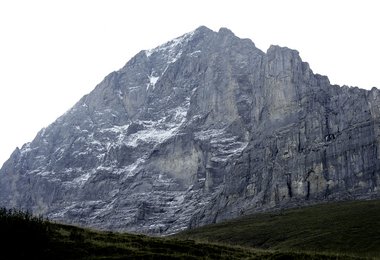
<point x="200" y="129"/>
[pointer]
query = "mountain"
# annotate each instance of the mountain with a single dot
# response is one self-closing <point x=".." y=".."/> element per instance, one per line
<point x="203" y="128"/>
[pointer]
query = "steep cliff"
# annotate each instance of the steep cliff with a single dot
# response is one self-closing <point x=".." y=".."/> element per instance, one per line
<point x="200" y="129"/>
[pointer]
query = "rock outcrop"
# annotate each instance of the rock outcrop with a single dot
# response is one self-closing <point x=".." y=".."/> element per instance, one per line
<point x="203" y="128"/>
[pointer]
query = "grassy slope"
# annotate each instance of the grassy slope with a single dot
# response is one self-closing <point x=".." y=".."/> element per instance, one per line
<point x="346" y="227"/>
<point x="69" y="242"/>
<point x="318" y="228"/>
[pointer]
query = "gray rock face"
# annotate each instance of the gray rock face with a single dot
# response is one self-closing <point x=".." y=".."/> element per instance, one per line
<point x="200" y="129"/>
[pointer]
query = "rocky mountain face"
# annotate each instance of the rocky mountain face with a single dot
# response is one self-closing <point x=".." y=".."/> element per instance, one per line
<point x="203" y="128"/>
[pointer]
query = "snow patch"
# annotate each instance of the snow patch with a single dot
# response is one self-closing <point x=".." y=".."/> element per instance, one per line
<point x="131" y="169"/>
<point x="43" y="173"/>
<point x="150" y="135"/>
<point x="93" y="141"/>
<point x="172" y="49"/>
<point x="131" y="89"/>
<point x="178" y="200"/>
<point x="107" y="208"/>
<point x="152" y="81"/>
<point x="115" y="129"/>
<point x="120" y="94"/>
<point x="43" y="131"/>
<point x="104" y="168"/>
<point x="194" y="53"/>
<point x="82" y="179"/>
<point x="148" y="53"/>
<point x="160" y="130"/>
<point x="119" y="131"/>
<point x="224" y="145"/>
<point x="78" y="181"/>
<point x="209" y="134"/>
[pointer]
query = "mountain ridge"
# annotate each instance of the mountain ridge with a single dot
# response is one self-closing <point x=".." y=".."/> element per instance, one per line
<point x="197" y="130"/>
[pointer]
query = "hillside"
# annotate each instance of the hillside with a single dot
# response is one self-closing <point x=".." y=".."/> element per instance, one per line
<point x="348" y="230"/>
<point x="344" y="228"/>
<point x="27" y="237"/>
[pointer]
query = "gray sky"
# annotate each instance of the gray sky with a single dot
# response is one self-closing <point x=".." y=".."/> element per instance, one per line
<point x="54" y="52"/>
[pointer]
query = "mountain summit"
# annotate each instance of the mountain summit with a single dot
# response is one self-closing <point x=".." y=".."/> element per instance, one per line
<point x="203" y="128"/>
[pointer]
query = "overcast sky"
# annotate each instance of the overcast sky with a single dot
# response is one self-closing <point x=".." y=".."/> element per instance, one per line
<point x="54" y="52"/>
